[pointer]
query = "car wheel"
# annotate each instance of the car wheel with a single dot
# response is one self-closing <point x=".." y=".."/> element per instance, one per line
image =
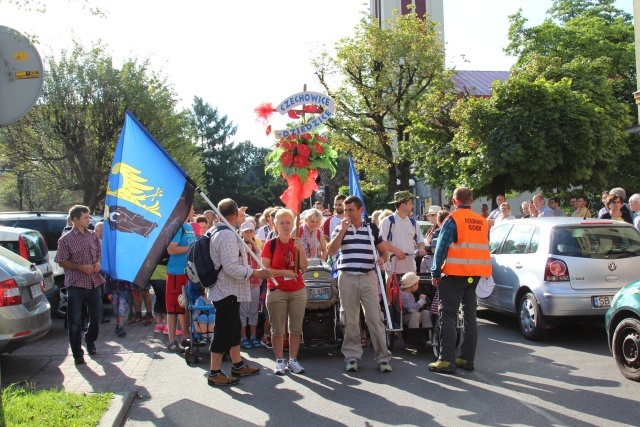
<point x="626" y="348"/>
<point x="531" y="323"/>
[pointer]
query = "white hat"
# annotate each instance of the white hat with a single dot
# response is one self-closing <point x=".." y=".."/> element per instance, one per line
<point x="247" y="226"/>
<point x="409" y="279"/>
<point x="485" y="287"/>
<point x="434" y="209"/>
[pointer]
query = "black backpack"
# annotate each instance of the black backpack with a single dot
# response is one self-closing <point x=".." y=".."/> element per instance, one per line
<point x="200" y="267"/>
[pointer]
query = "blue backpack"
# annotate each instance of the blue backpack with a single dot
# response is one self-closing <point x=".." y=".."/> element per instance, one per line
<point x="200" y="267"/>
<point x="392" y="223"/>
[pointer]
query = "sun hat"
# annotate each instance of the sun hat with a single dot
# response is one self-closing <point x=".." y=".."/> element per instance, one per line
<point x="247" y="226"/>
<point x="485" y="287"/>
<point x="409" y="279"/>
<point x="434" y="209"/>
<point x="401" y="196"/>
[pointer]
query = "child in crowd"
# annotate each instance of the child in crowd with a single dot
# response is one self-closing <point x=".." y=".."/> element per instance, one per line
<point x="116" y="291"/>
<point x="411" y="309"/>
<point x="204" y="320"/>
<point x="249" y="309"/>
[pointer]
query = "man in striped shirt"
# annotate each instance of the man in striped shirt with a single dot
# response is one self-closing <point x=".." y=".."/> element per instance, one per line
<point x="358" y="284"/>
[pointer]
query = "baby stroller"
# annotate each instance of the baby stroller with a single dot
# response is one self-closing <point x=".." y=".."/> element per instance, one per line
<point x="198" y="339"/>
<point x="321" y="324"/>
<point x="413" y="337"/>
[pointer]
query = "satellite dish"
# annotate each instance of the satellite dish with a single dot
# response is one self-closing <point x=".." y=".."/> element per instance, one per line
<point x="21" y="75"/>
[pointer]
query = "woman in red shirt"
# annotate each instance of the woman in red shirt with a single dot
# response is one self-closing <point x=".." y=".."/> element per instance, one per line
<point x="290" y="296"/>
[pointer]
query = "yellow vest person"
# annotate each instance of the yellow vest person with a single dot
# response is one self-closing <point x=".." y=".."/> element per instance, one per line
<point x="462" y="255"/>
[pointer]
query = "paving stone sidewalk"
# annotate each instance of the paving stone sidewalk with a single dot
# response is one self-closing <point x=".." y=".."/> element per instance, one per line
<point x="119" y="365"/>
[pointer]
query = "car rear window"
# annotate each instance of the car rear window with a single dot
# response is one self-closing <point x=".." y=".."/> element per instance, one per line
<point x="50" y="228"/>
<point x="603" y="242"/>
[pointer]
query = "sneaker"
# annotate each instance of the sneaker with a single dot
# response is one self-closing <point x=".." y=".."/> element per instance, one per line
<point x="165" y="329"/>
<point x="148" y="319"/>
<point x="135" y="321"/>
<point x="254" y="342"/>
<point x="285" y="345"/>
<point x="221" y="379"/>
<point x="185" y="342"/>
<point x="280" y="367"/>
<point x="244" y="371"/>
<point x="174" y="346"/>
<point x="385" y="367"/>
<point x="266" y="342"/>
<point x="352" y="366"/>
<point x="244" y="343"/>
<point x="442" y="366"/>
<point x="158" y="328"/>
<point x="91" y="347"/>
<point x="79" y="360"/>
<point x="295" y="367"/>
<point x="120" y="332"/>
<point x="464" y="364"/>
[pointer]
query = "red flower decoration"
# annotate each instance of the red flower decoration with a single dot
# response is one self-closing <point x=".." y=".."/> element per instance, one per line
<point x="300" y="161"/>
<point x="306" y="136"/>
<point x="288" y="145"/>
<point x="304" y="150"/>
<point x="319" y="148"/>
<point x="287" y="158"/>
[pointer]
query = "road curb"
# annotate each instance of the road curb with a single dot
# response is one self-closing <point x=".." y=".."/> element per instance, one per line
<point x="114" y="417"/>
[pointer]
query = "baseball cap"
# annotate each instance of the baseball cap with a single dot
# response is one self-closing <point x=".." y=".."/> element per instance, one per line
<point x="247" y="226"/>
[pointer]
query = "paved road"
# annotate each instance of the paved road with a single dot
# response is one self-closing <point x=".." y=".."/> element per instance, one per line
<point x="570" y="379"/>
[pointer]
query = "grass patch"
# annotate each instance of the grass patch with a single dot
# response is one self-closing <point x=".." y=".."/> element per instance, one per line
<point x="23" y="406"/>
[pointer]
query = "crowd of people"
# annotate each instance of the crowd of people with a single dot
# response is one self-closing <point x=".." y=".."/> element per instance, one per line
<point x="454" y="250"/>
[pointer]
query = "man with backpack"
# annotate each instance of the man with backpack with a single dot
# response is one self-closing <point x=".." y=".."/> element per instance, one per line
<point x="403" y="235"/>
<point x="230" y="289"/>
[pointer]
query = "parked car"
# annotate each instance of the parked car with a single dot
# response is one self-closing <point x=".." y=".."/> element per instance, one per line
<point x="25" y="313"/>
<point x="622" y="323"/>
<point x="30" y="245"/>
<point x="560" y="269"/>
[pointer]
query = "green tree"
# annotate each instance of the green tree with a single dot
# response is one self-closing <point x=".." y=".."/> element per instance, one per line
<point x="558" y="121"/>
<point x="73" y="131"/>
<point x="388" y="73"/>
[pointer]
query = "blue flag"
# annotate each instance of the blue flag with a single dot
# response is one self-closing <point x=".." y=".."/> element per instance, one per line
<point x="354" y="184"/>
<point x="148" y="198"/>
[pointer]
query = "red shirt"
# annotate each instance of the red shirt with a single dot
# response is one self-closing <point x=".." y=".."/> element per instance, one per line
<point x="282" y="259"/>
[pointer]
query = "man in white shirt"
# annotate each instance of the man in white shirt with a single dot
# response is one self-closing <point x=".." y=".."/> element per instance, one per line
<point x="500" y="199"/>
<point x="403" y="234"/>
<point x="543" y="209"/>
<point x="331" y="222"/>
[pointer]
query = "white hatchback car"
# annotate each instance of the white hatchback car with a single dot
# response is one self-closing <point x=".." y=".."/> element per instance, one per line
<point x="555" y="270"/>
<point x="30" y="245"/>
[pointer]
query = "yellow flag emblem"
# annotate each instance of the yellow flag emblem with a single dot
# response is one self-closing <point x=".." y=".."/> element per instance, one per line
<point x="135" y="190"/>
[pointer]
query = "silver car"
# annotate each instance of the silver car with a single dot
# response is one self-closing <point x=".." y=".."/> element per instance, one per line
<point x="25" y="313"/>
<point x="553" y="270"/>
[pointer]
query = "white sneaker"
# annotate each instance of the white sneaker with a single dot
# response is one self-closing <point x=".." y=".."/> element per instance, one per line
<point x="295" y="367"/>
<point x="280" y="367"/>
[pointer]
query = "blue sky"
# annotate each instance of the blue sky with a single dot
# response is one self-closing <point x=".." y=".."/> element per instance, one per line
<point x="236" y="55"/>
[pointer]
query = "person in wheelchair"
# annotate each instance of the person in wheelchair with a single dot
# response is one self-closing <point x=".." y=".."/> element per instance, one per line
<point x="414" y="313"/>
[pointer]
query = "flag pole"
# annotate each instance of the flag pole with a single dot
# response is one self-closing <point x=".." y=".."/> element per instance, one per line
<point x="224" y="220"/>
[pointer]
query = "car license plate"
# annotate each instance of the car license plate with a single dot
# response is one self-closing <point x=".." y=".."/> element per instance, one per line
<point x="318" y="294"/>
<point x="601" y="301"/>
<point x="36" y="291"/>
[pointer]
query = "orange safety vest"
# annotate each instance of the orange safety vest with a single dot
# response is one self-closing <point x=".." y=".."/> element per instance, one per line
<point x="470" y="255"/>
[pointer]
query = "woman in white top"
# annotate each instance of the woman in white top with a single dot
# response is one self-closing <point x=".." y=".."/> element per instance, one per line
<point x="505" y="214"/>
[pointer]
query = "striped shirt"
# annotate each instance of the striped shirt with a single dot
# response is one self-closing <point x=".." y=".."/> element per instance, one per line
<point x="81" y="249"/>
<point x="356" y="253"/>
